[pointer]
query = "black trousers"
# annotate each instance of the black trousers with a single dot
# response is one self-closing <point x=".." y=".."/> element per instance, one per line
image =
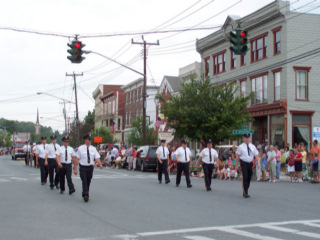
<point x="208" y="170"/>
<point x="86" y="173"/>
<point x="163" y="168"/>
<point x="66" y="172"/>
<point x="53" y="169"/>
<point x="43" y="171"/>
<point x="185" y="168"/>
<point x="26" y="159"/>
<point x="34" y="160"/>
<point x="246" y="175"/>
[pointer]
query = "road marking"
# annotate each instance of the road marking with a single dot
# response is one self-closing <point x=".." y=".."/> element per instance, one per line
<point x="19" y="179"/>
<point x="233" y="229"/>
<point x="4" y="180"/>
<point x="246" y="234"/>
<point x="312" y="224"/>
<point x="289" y="230"/>
<point x="198" y="238"/>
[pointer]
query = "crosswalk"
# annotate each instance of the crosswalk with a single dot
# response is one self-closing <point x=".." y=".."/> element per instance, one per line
<point x="301" y="229"/>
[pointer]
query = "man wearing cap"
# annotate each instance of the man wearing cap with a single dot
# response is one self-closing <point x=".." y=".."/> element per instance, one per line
<point x="34" y="151"/>
<point x="41" y="159"/>
<point x="65" y="156"/>
<point x="184" y="157"/>
<point x="246" y="152"/>
<point x="51" y="155"/>
<point x="208" y="156"/>
<point x="163" y="158"/>
<point x="27" y="152"/>
<point x="87" y="157"/>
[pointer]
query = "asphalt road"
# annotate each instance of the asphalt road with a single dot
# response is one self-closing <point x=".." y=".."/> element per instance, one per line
<point x="133" y="205"/>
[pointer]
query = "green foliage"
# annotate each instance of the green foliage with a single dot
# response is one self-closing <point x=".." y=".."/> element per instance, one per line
<point x="6" y="136"/>
<point x="203" y="112"/>
<point x="135" y="137"/>
<point x="102" y="131"/>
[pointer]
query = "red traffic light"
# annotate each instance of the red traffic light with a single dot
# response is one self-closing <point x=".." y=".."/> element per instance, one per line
<point x="78" y="45"/>
<point x="243" y="34"/>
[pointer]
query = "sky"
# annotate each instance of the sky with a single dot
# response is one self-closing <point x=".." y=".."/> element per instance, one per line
<point x="31" y="63"/>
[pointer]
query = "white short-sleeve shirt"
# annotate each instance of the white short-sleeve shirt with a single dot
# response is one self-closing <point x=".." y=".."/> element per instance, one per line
<point x="242" y="151"/>
<point x="205" y="155"/>
<point x="270" y="155"/>
<point x="81" y="154"/>
<point x="62" y="154"/>
<point x="52" y="149"/>
<point x="163" y="152"/>
<point x="183" y="154"/>
<point x="41" y="150"/>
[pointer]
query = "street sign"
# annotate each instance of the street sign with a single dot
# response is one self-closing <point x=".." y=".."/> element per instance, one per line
<point x="243" y="127"/>
<point x="242" y="131"/>
<point x="97" y="139"/>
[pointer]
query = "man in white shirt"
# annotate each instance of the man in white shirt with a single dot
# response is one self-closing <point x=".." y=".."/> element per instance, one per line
<point x="246" y="152"/>
<point x="273" y="163"/>
<point x="34" y="150"/>
<point x="87" y="157"/>
<point x="65" y="156"/>
<point x="51" y="155"/>
<point x="184" y="157"/>
<point x="41" y="160"/>
<point x="114" y="153"/>
<point x="27" y="151"/>
<point x="208" y="156"/>
<point x="163" y="159"/>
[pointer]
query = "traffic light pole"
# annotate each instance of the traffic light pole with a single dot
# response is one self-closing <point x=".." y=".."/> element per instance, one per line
<point x="144" y="43"/>
<point x="76" y="97"/>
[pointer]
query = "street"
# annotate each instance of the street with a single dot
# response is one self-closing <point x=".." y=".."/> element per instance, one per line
<point x="133" y="205"/>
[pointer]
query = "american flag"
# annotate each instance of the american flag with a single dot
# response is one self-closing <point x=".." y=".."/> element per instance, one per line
<point x="158" y="122"/>
<point x="115" y="126"/>
<point x="4" y="141"/>
<point x="166" y="128"/>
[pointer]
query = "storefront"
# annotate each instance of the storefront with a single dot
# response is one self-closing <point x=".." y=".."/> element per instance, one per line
<point x="301" y="127"/>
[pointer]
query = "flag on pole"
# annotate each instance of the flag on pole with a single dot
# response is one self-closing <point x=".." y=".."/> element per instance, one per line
<point x="4" y="141"/>
<point x="115" y="126"/>
<point x="158" y="122"/>
<point x="166" y="128"/>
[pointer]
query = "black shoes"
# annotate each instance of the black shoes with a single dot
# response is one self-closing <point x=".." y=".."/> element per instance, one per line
<point x="71" y="191"/>
<point x="189" y="186"/>
<point x="167" y="181"/>
<point x="43" y="183"/>
<point x="246" y="195"/>
<point x="51" y="188"/>
<point x="61" y="192"/>
<point x="57" y="186"/>
<point x="86" y="198"/>
<point x="208" y="189"/>
<point x="159" y="182"/>
<point x="177" y="185"/>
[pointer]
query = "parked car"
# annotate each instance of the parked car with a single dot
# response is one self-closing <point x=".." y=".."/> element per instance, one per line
<point x="147" y="157"/>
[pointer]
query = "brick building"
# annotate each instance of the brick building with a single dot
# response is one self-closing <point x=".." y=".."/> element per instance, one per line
<point x="281" y="69"/>
<point x="113" y="103"/>
<point x="134" y="104"/>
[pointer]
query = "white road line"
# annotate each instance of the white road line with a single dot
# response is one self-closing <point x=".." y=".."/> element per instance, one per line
<point x="293" y="231"/>
<point x="19" y="179"/>
<point x="312" y="224"/>
<point x="4" y="180"/>
<point x="246" y="234"/>
<point x="197" y="238"/>
<point x="204" y="229"/>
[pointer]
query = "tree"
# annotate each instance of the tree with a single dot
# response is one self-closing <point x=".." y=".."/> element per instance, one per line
<point x="102" y="131"/>
<point x="135" y="136"/>
<point x="5" y="139"/>
<point x="203" y="112"/>
<point x="89" y="119"/>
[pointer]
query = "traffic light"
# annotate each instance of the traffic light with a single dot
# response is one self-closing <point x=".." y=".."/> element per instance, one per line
<point x="239" y="39"/>
<point x="76" y="51"/>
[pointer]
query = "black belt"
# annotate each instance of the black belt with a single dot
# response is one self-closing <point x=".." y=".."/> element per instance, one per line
<point x="89" y="166"/>
<point x="65" y="163"/>
<point x="163" y="159"/>
<point x="51" y="159"/>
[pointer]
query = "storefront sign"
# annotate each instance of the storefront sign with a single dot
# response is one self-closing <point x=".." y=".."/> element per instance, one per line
<point x="168" y="136"/>
<point x="316" y="133"/>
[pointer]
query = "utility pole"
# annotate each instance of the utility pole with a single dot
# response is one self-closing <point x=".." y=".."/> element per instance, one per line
<point x="144" y="43"/>
<point x="76" y="97"/>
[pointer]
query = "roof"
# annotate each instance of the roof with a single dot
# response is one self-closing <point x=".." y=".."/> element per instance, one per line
<point x="175" y="82"/>
<point x="139" y="80"/>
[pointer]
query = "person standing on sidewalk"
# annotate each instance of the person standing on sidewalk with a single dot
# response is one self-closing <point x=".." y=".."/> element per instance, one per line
<point x="41" y="160"/>
<point x="208" y="156"/>
<point x="163" y="159"/>
<point x="65" y="156"/>
<point x="278" y="160"/>
<point x="246" y="152"/>
<point x="51" y="156"/>
<point x="87" y="157"/>
<point x="184" y="157"/>
<point x="273" y="163"/>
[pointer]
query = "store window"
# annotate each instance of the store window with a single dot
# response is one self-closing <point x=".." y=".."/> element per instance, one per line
<point x="277" y="130"/>
<point x="301" y="125"/>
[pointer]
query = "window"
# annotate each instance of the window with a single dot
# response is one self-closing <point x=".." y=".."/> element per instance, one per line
<point x="109" y="107"/>
<point x="207" y="66"/>
<point x="138" y="94"/>
<point x="302" y="82"/>
<point x="259" y="86"/>
<point x="130" y="118"/>
<point x="127" y="118"/>
<point x="233" y="60"/>
<point x="242" y="60"/>
<point x="119" y="123"/>
<point x="130" y="97"/>
<point x="243" y="87"/>
<point x="137" y="114"/>
<point x="276" y="40"/>
<point x="114" y="106"/>
<point x="126" y="98"/>
<point x="277" y="80"/>
<point x="301" y="128"/>
<point x="141" y="93"/>
<point x="219" y="62"/>
<point x="259" y="47"/>
<point x="133" y="95"/>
